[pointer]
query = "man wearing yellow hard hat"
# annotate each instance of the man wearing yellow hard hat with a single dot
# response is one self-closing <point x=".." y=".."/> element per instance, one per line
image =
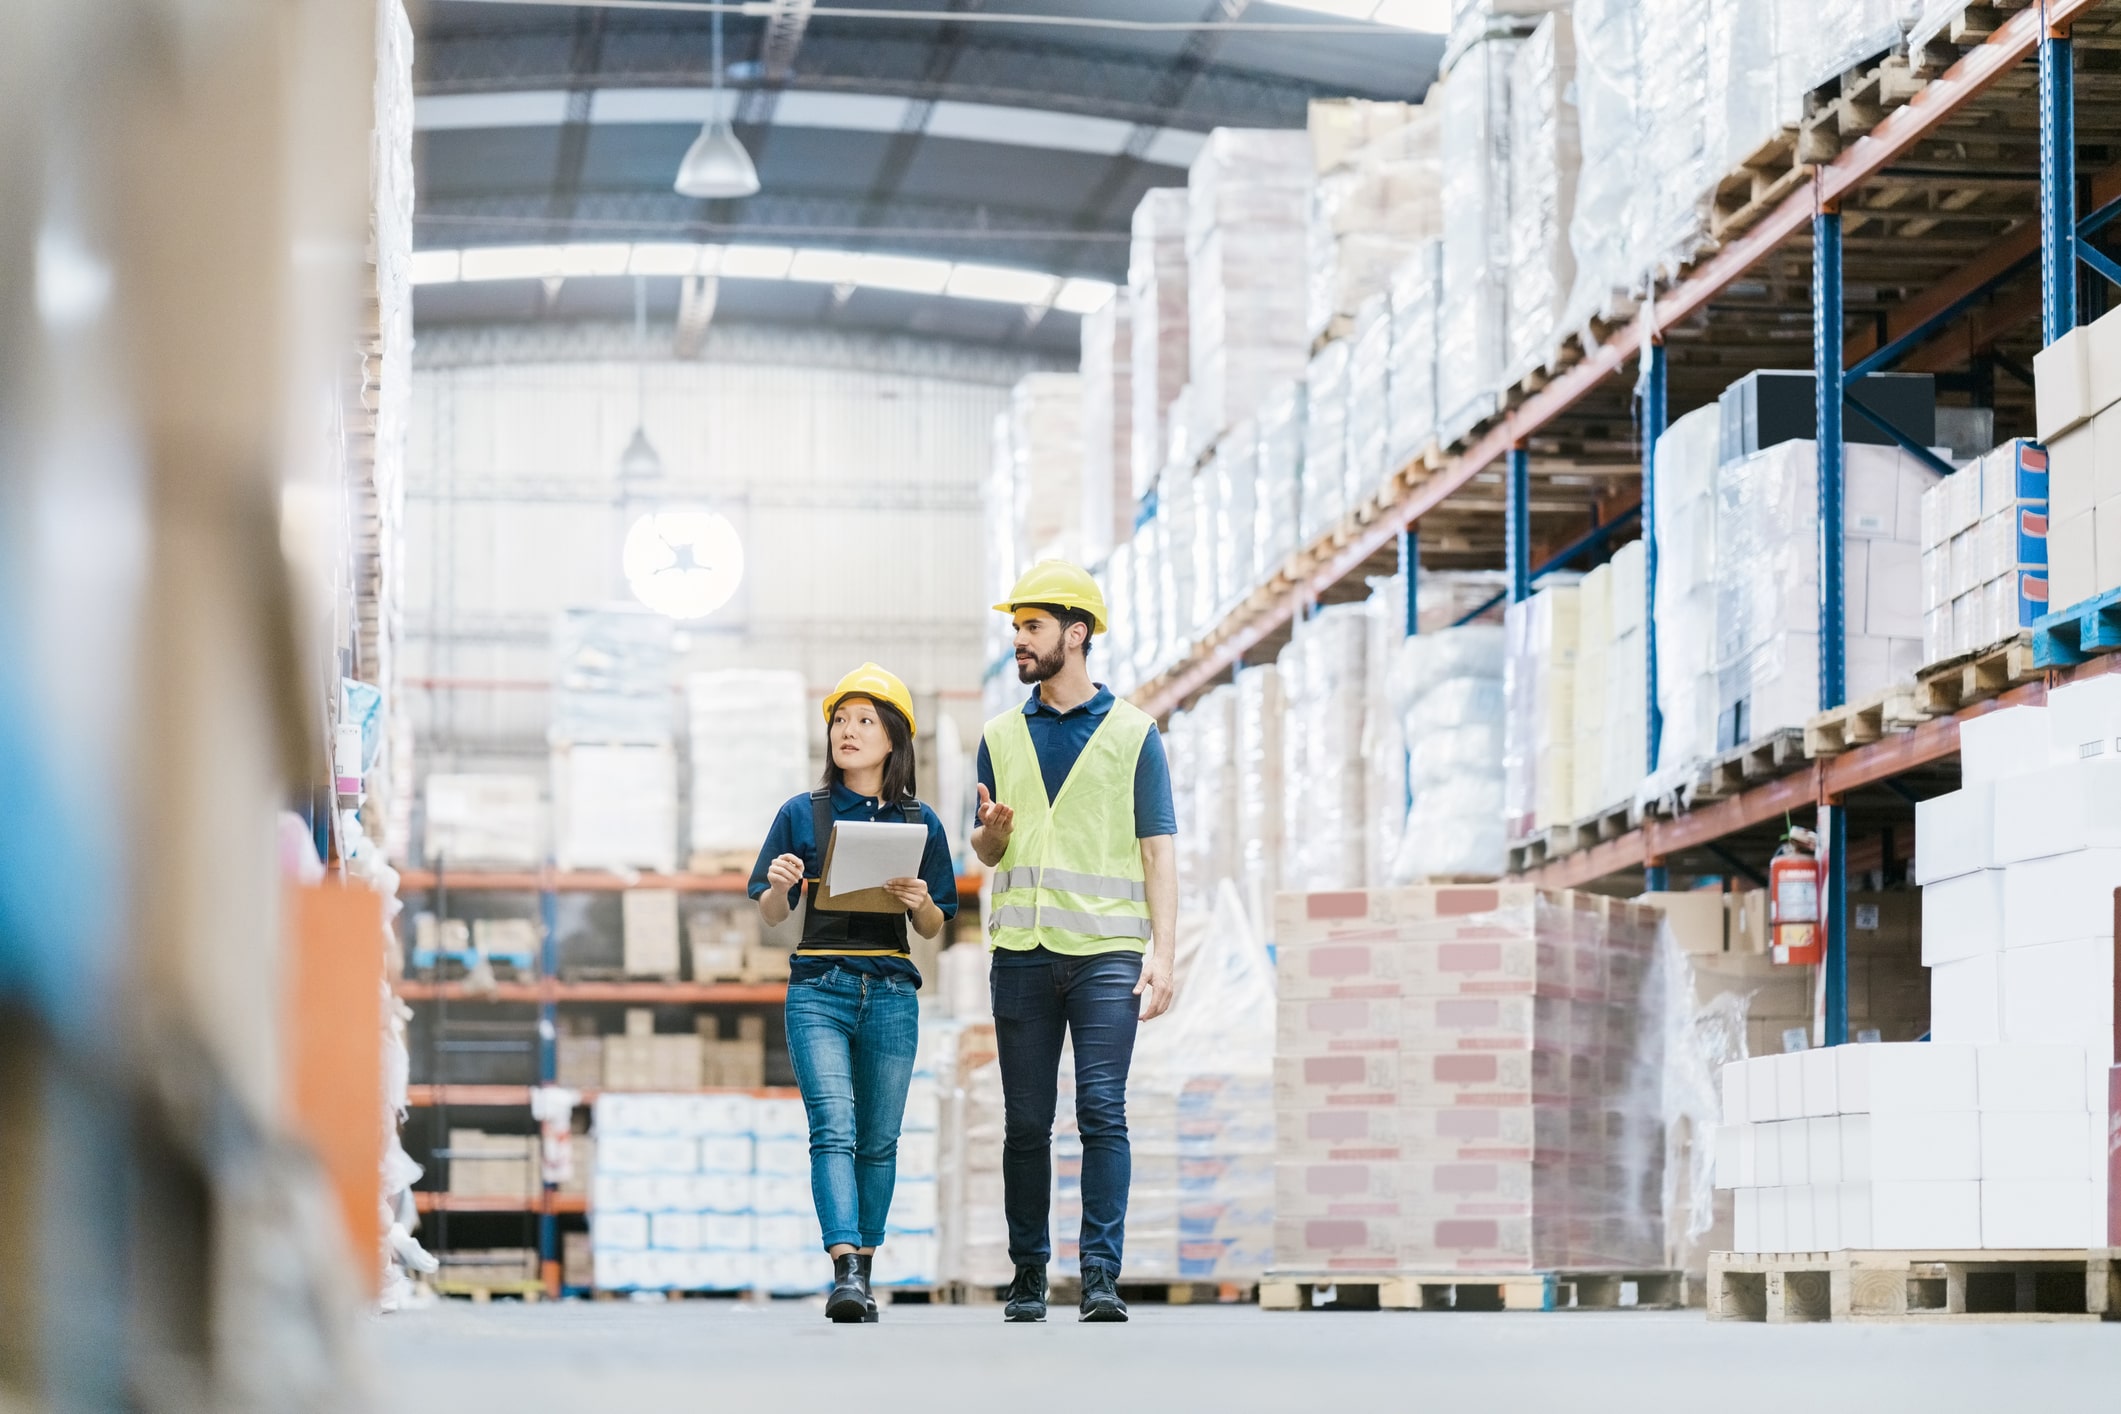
<point x="1076" y="820"/>
<point x="853" y="1018"/>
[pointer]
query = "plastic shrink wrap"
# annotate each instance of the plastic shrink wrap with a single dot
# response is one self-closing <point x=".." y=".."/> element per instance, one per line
<point x="1248" y="210"/>
<point x="750" y="746"/>
<point x="1207" y="520"/>
<point x="1108" y="427"/>
<point x="1626" y="712"/>
<point x="1117" y="648"/>
<point x="1384" y="744"/>
<point x="613" y="670"/>
<point x="1539" y="680"/>
<point x="1323" y="688"/>
<point x="1675" y="100"/>
<point x="1499" y="1120"/>
<point x="1156" y="290"/>
<point x="1369" y="368"/>
<point x="1471" y="345"/>
<point x="1258" y="737"/>
<point x="1237" y="480"/>
<point x="1614" y="183"/>
<point x="1472" y="20"/>
<point x="1410" y="379"/>
<point x="973" y="1233"/>
<point x="1587" y="737"/>
<point x="1325" y="454"/>
<point x="488" y="819"/>
<point x="1376" y="198"/>
<point x="1685" y="527"/>
<point x="1846" y="33"/>
<point x="1151" y="647"/>
<point x="1929" y="20"/>
<point x="1046" y="452"/>
<point x="1180" y="553"/>
<point x="1545" y="154"/>
<point x="1204" y="775"/>
<point x="1278" y="513"/>
<point x="1759" y="52"/>
<point x="1446" y="688"/>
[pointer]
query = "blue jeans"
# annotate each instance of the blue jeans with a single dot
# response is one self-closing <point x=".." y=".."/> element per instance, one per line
<point x="1036" y="1005"/>
<point x="852" y="1039"/>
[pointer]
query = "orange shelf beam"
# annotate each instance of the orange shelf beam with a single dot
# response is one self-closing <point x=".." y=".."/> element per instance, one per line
<point x="591" y="881"/>
<point x="548" y="990"/>
<point x="518" y="1096"/>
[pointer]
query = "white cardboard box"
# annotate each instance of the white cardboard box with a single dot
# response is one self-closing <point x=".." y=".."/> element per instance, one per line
<point x="1955" y="833"/>
<point x="1878" y="1148"/>
<point x="1736" y="1110"/>
<point x="2022" y="1078"/>
<point x="1788" y="1070"/>
<point x="1822" y="1149"/>
<point x="1767" y="1155"/>
<point x="2072" y="550"/>
<point x="2074" y="804"/>
<point x="1735" y="1147"/>
<point x="2062" y="385"/>
<point x="1966" y="1003"/>
<point x="1924" y="1214"/>
<point x="2033" y="1146"/>
<point x="1893" y="600"/>
<point x="2060" y="993"/>
<point x="2006" y="743"/>
<point x="1774" y="1219"/>
<point x="1963" y="916"/>
<point x="1791" y="1137"/>
<point x="1821" y="1092"/>
<point x="2036" y="1213"/>
<point x="2084" y="718"/>
<point x="2060" y="897"/>
<point x="1800" y="1229"/>
<point x="1906" y="1076"/>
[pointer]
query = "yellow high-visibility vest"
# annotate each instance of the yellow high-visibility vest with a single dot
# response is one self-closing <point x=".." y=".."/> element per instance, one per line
<point x="1071" y="879"/>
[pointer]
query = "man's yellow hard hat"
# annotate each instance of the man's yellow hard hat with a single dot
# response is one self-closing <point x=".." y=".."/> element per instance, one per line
<point x="877" y="685"/>
<point x="1060" y="583"/>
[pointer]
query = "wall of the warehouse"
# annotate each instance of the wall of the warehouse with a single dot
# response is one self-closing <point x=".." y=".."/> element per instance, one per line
<point x="850" y="466"/>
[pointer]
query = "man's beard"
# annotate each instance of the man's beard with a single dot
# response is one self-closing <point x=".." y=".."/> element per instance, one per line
<point x="1041" y="669"/>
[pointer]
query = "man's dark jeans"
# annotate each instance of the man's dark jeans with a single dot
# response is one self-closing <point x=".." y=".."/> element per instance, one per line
<point x="1036" y="1004"/>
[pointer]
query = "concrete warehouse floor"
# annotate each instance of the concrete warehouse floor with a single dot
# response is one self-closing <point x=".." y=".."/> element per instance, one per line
<point x="641" y="1359"/>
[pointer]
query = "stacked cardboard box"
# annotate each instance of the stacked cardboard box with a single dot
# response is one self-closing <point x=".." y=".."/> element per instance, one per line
<point x="1157" y="292"/>
<point x="2077" y="386"/>
<point x="1935" y="1147"/>
<point x="1283" y="435"/>
<point x="1208" y="482"/>
<point x="642" y="1060"/>
<point x="703" y="1193"/>
<point x="1466" y="1078"/>
<point x="1248" y="197"/>
<point x="485" y="819"/>
<point x="1376" y="197"/>
<point x="1258" y="754"/>
<point x="1384" y="742"/>
<point x="1984" y="551"/>
<point x="1108" y="427"/>
<point x="974" y="1234"/>
<point x="580" y="1056"/>
<point x="749" y="745"/>
<point x="649" y="932"/>
<point x="483" y="1165"/>
<point x="1204" y="780"/>
<point x="1178" y="536"/>
<point x="732" y="1062"/>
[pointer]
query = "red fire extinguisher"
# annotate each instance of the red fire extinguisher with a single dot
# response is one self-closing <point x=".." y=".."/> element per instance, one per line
<point x="1793" y="900"/>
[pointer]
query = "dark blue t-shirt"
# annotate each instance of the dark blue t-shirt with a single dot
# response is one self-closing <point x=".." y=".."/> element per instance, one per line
<point x="1059" y="739"/>
<point x="794" y="833"/>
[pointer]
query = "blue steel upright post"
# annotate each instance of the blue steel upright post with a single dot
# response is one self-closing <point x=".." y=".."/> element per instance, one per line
<point x="1827" y="369"/>
<point x="1517" y="522"/>
<point x="2058" y="186"/>
<point x="1410" y="567"/>
<point x="1654" y="413"/>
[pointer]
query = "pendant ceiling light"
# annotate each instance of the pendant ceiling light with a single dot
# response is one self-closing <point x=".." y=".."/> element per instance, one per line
<point x="716" y="165"/>
<point x="640" y="467"/>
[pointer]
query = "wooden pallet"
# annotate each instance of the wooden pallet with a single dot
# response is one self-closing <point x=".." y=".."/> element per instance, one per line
<point x="483" y="1291"/>
<point x="1768" y="758"/>
<point x="1788" y="1287"/>
<point x="1967" y="678"/>
<point x="1770" y="173"/>
<point x="1474" y="1291"/>
<point x="1832" y="732"/>
<point x="2079" y="632"/>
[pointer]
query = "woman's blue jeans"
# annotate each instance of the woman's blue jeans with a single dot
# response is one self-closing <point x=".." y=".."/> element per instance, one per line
<point x="852" y="1039"/>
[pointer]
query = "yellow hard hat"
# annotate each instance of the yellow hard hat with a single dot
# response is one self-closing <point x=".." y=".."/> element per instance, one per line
<point x="1058" y="582"/>
<point x="877" y="685"/>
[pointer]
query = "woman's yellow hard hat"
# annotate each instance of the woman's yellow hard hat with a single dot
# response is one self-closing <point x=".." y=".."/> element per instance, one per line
<point x="1060" y="583"/>
<point x="877" y="685"/>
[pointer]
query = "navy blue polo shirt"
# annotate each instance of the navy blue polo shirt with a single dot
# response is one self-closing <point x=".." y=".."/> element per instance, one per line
<point x="1059" y="739"/>
<point x="794" y="833"/>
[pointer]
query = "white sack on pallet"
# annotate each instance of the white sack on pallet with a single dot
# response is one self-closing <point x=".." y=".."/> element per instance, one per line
<point x="749" y="731"/>
<point x="1685" y="527"/>
<point x="1156" y="288"/>
<point x="1447" y="688"/>
<point x="1278" y="514"/>
<point x="1108" y="427"/>
<point x="1237" y="479"/>
<point x="1471" y="347"/>
<point x="1369" y="370"/>
<point x="1248" y="210"/>
<point x="1325" y="455"/>
<point x="1410" y="380"/>
<point x="1545" y="153"/>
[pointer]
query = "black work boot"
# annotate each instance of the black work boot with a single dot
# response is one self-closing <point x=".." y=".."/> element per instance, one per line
<point x="1101" y="1296"/>
<point x="1026" y="1297"/>
<point x="849" y="1300"/>
<point x="863" y="1262"/>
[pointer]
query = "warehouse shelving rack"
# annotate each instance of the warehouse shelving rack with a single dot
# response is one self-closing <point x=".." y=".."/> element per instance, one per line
<point x="1920" y="223"/>
<point x="548" y="991"/>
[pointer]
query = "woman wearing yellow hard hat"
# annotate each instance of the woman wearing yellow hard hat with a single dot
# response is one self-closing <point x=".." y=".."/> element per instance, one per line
<point x="853" y="1018"/>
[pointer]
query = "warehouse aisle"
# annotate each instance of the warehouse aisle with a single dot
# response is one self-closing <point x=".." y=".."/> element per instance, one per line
<point x="633" y="1359"/>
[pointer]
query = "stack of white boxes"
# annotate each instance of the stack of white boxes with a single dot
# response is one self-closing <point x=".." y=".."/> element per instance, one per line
<point x="1984" y="551"/>
<point x="1324" y="670"/>
<point x="1913" y="1146"/>
<point x="1258" y="753"/>
<point x="1278" y="502"/>
<point x="750" y="750"/>
<point x="1685" y="528"/>
<point x="675" y="1198"/>
<point x="485" y="819"/>
<point x="912" y="1250"/>
<point x="1248" y="209"/>
<point x="2077" y="386"/>
<point x="1108" y="426"/>
<point x="1464" y="1082"/>
<point x="1156" y="288"/>
<point x="1236" y="467"/>
<point x="1587" y="698"/>
<point x="1374" y="200"/>
<point x="1627" y="691"/>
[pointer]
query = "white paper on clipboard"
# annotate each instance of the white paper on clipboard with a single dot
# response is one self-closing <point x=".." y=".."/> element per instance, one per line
<point x="866" y="853"/>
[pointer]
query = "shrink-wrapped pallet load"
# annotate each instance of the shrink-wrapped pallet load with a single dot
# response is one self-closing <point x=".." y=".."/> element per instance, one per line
<point x="1179" y="534"/>
<point x="1384" y="744"/>
<point x="1237" y="478"/>
<point x="1046" y="459"/>
<point x="1278" y="514"/>
<point x="1539" y="673"/>
<point x="1410" y="381"/>
<point x="1325" y="446"/>
<point x="1108" y="427"/>
<point x="1369" y="412"/>
<point x="1248" y="207"/>
<point x="750" y="750"/>
<point x="1376" y="198"/>
<point x="1258" y="742"/>
<point x="1685" y="527"/>
<point x="1626" y="712"/>
<point x="1472" y="344"/>
<point x="1156" y="290"/>
<point x="1323" y="676"/>
<point x="1545" y="154"/>
<point x="1587" y="699"/>
<point x="1447" y="687"/>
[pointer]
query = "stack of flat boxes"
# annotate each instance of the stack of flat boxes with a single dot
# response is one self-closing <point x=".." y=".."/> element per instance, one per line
<point x="1922" y="1147"/>
<point x="483" y="1165"/>
<point x="1984" y="551"/>
<point x="2077" y="385"/>
<point x="703" y="1193"/>
<point x="1463" y="1082"/>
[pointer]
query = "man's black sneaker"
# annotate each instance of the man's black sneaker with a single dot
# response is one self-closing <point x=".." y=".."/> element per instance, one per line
<point x="1101" y="1297"/>
<point x="1026" y="1297"/>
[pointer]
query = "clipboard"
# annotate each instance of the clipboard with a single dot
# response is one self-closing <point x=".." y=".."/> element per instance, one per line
<point x="877" y="900"/>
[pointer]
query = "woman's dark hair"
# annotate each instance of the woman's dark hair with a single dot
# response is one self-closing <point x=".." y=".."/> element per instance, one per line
<point x="900" y="775"/>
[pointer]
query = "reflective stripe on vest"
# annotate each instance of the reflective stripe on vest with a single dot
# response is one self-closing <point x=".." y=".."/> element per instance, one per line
<point x="1071" y="879"/>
